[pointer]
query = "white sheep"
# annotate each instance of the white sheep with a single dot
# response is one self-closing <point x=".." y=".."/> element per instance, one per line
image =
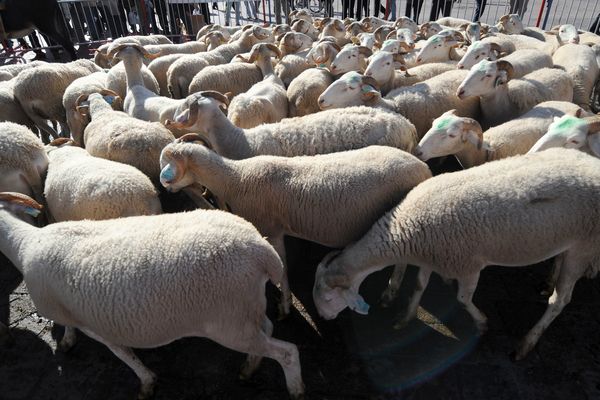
<point x="503" y="98"/>
<point x="440" y="47"/>
<point x="383" y="68"/>
<point x="10" y="108"/>
<point x="419" y="103"/>
<point x="232" y="78"/>
<point x="165" y="277"/>
<point x="506" y="212"/>
<point x="117" y="78"/>
<point x="13" y="70"/>
<point x="495" y="46"/>
<point x="299" y="196"/>
<point x="463" y="137"/>
<point x="571" y="132"/>
<point x="80" y="186"/>
<point x="526" y="61"/>
<point x="183" y="70"/>
<point x="266" y="101"/>
<point x="350" y="58"/>
<point x="115" y="136"/>
<point x="295" y="48"/>
<point x="101" y="55"/>
<point x="40" y="91"/>
<point x="85" y="85"/>
<point x="579" y="61"/>
<point x="304" y="91"/>
<point x="23" y="161"/>
<point x="320" y="133"/>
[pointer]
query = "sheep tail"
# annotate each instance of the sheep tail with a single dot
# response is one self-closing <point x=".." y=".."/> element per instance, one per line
<point x="273" y="266"/>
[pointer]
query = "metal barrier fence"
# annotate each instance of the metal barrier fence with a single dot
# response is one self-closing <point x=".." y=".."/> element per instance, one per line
<point x="92" y="22"/>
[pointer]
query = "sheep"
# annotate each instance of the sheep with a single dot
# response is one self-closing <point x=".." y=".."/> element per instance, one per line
<point x="566" y="33"/>
<point x="321" y="133"/>
<point x="200" y="273"/>
<point x="350" y="58"/>
<point x="365" y="39"/>
<point x="463" y="137"/>
<point x="494" y="46"/>
<point x="306" y="197"/>
<point x="10" y="108"/>
<point x="40" y="91"/>
<point x="440" y="47"/>
<point x="233" y="78"/>
<point x="580" y="63"/>
<point x="406" y="23"/>
<point x="80" y="186"/>
<point x="85" y="85"/>
<point x="226" y="31"/>
<point x="335" y="28"/>
<point x="13" y="70"/>
<point x="23" y="161"/>
<point x="182" y="71"/>
<point x="429" y="29"/>
<point x="304" y="91"/>
<point x="116" y="136"/>
<point x="160" y="65"/>
<point x="140" y="102"/>
<point x="502" y="98"/>
<point x="527" y="61"/>
<point x="100" y="56"/>
<point x="306" y="27"/>
<point x="456" y="224"/>
<point x="117" y="79"/>
<point x="5" y="76"/>
<point x="452" y="22"/>
<point x="571" y="132"/>
<point x="419" y="103"/>
<point x="295" y="48"/>
<point x="264" y="102"/>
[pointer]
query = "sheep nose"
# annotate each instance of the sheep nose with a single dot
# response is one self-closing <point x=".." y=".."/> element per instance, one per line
<point x="419" y="59"/>
<point x="460" y="66"/>
<point x="370" y="73"/>
<point x="461" y="93"/>
<point x="321" y="101"/>
<point x="418" y="153"/>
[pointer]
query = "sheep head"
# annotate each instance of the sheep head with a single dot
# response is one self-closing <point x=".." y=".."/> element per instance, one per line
<point x="19" y="203"/>
<point x="406" y="23"/>
<point x="437" y="47"/>
<point x="131" y="50"/>
<point x="566" y="33"/>
<point x="510" y="24"/>
<point x="263" y="51"/>
<point x="352" y="89"/>
<point x="569" y="131"/>
<point x="429" y="29"/>
<point x="478" y="51"/>
<point x="196" y="108"/>
<point x="450" y="134"/>
<point x="323" y="54"/>
<point x="293" y="42"/>
<point x="405" y="37"/>
<point x="332" y="291"/>
<point x="485" y="77"/>
<point x="350" y="58"/>
<point x="382" y="65"/>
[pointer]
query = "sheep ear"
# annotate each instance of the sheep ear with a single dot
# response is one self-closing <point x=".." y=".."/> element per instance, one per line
<point x="472" y="138"/>
<point x="594" y="144"/>
<point x="355" y="301"/>
<point x="84" y="109"/>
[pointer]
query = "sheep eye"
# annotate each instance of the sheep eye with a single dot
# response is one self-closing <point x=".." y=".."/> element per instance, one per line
<point x="477" y="57"/>
<point x="353" y="55"/>
<point x="387" y="63"/>
<point x="488" y="75"/>
<point x="451" y="135"/>
<point x="575" y="141"/>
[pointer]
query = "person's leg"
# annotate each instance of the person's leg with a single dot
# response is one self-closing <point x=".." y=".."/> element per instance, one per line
<point x="205" y="12"/>
<point x="366" y="5"/>
<point x="434" y="10"/>
<point x="227" y="13"/>
<point x="417" y="11"/>
<point x="351" y="5"/>
<point x="376" y="8"/>
<point x="447" y="4"/>
<point x="594" y="28"/>
<point x="393" y="6"/>
<point x="409" y="6"/>
<point x="163" y="19"/>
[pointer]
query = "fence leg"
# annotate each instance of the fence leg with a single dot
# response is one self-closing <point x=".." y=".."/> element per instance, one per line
<point x="547" y="14"/>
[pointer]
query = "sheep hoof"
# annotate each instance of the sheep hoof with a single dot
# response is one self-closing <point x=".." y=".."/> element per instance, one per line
<point x="146" y="391"/>
<point x="6" y="340"/>
<point x="387" y="298"/>
<point x="401" y="324"/>
<point x="282" y="313"/>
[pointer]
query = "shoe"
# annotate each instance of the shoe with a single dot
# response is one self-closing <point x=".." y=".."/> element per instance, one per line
<point x="215" y="6"/>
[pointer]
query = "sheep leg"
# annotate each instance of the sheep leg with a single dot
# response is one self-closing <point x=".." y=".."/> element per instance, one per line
<point x="253" y="361"/>
<point x="415" y="299"/>
<point x="559" y="299"/>
<point x="286" y="354"/>
<point x="553" y="278"/>
<point x="5" y="338"/>
<point x="125" y="354"/>
<point x="466" y="289"/>
<point x="391" y="292"/>
<point x="45" y="131"/>
<point x="68" y="340"/>
<point x="286" y="295"/>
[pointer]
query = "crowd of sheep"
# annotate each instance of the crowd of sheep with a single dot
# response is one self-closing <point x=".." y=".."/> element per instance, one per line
<point x="319" y="130"/>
